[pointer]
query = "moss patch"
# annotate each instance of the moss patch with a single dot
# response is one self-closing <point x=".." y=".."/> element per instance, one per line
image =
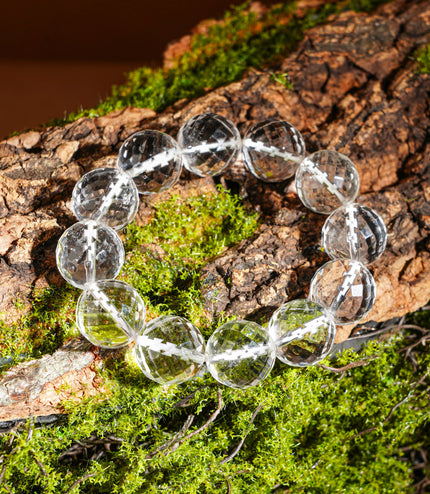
<point x="42" y="330"/>
<point x="423" y="60"/>
<point x="164" y="260"/>
<point x="305" y="435"/>
<point x="304" y="430"/>
<point x="222" y="54"/>
<point x="165" y="257"/>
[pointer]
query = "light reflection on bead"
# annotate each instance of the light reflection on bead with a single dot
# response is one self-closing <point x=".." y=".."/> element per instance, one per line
<point x="326" y="180"/>
<point x="107" y="196"/>
<point x="303" y="334"/>
<point x="346" y="289"/>
<point x="88" y="252"/>
<point x="273" y="150"/>
<point x="209" y="143"/>
<point x="170" y="350"/>
<point x="240" y="354"/>
<point x="354" y="232"/>
<point x="110" y="313"/>
<point x="152" y="159"/>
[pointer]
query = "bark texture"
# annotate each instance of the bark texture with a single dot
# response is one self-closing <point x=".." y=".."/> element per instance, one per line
<point x="355" y="90"/>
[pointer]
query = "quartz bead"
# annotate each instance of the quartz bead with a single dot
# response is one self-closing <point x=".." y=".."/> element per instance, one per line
<point x="303" y="334"/>
<point x="152" y="159"/>
<point x="240" y="354"/>
<point x="107" y="196"/>
<point x="170" y="350"/>
<point x="326" y="180"/>
<point x="89" y="252"/>
<point x="273" y="150"/>
<point x="346" y="289"/>
<point x="110" y="313"/>
<point x="354" y="232"/>
<point x="209" y="143"/>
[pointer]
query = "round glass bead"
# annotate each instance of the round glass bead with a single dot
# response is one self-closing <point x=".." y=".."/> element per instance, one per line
<point x="89" y="252"/>
<point x="209" y="143"/>
<point x="152" y="159"/>
<point x="273" y="150"/>
<point x="110" y="313"/>
<point x="170" y="350"/>
<point x="303" y="335"/>
<point x="354" y="232"/>
<point x="107" y="196"/>
<point x="326" y="180"/>
<point x="240" y="354"/>
<point x="346" y="289"/>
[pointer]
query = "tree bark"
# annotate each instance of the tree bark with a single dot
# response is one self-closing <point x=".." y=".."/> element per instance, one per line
<point x="355" y="90"/>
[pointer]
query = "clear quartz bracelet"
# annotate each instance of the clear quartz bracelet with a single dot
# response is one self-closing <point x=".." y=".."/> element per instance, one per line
<point x="169" y="349"/>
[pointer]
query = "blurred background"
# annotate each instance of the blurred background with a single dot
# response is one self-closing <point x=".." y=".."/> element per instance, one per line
<point x="58" y="56"/>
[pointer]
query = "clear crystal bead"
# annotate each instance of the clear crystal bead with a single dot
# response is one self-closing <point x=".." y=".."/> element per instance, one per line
<point x="89" y="252"/>
<point x="273" y="150"/>
<point x="153" y="159"/>
<point x="240" y="354"/>
<point x="326" y="180"/>
<point x="170" y="350"/>
<point x="209" y="143"/>
<point x="354" y="232"/>
<point x="303" y="334"/>
<point x="346" y="289"/>
<point x="110" y="313"/>
<point x="107" y="196"/>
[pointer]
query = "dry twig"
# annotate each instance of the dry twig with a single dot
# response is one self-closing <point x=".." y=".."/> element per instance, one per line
<point x="39" y="463"/>
<point x="393" y="409"/>
<point x="4" y="455"/>
<point x="173" y="439"/>
<point x="408" y="350"/>
<point x="352" y="365"/>
<point x="420" y="487"/>
<point x="179" y="438"/>
<point x="186" y="401"/>
<point x="207" y="423"/>
<point x="30" y="429"/>
<point x="227" y="480"/>
<point x="82" y="447"/>
<point x="82" y="479"/>
<point x="241" y="442"/>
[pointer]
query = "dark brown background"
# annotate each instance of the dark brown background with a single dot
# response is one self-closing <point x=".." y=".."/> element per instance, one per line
<point x="58" y="56"/>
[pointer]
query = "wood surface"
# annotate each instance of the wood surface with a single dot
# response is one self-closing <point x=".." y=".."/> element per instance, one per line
<point x="355" y="90"/>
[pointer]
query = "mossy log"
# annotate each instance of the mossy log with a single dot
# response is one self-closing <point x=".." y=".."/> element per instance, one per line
<point x="353" y="89"/>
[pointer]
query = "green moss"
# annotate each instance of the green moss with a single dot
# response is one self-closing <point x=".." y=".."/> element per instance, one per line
<point x="165" y="257"/>
<point x="283" y="79"/>
<point x="42" y="330"/>
<point x="304" y="438"/>
<point x="163" y="262"/>
<point x="221" y="55"/>
<point x="423" y="60"/>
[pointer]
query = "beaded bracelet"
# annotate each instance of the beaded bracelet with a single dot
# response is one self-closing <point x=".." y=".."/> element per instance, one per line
<point x="239" y="354"/>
